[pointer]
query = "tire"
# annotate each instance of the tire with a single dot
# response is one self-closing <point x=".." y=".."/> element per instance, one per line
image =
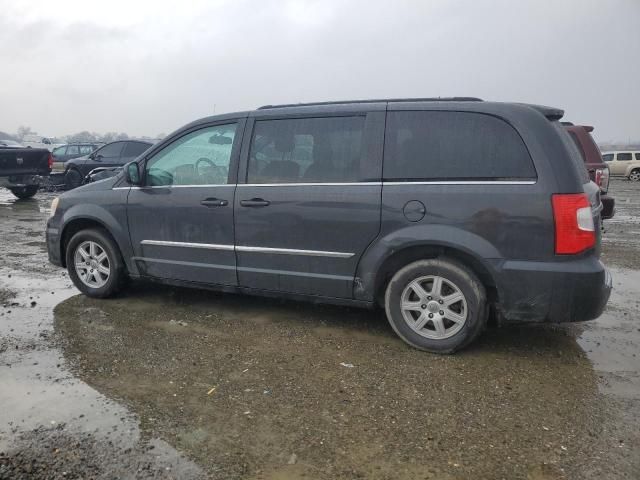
<point x="85" y="278"/>
<point x="450" y="328"/>
<point x="24" y="192"/>
<point x="635" y="175"/>
<point x="72" y="178"/>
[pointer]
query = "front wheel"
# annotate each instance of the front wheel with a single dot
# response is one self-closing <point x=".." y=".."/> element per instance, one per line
<point x="24" y="192"/>
<point x="72" y="178"/>
<point x="635" y="175"/>
<point x="437" y="305"/>
<point x="94" y="263"/>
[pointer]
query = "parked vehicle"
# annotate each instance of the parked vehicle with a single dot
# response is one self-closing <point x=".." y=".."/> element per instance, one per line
<point x="112" y="154"/>
<point x="440" y="211"/>
<point x="6" y="143"/>
<point x="22" y="169"/>
<point x="73" y="150"/>
<point x="625" y="164"/>
<point x="39" y="141"/>
<point x="596" y="166"/>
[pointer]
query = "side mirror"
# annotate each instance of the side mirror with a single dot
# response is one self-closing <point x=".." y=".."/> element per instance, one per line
<point x="97" y="158"/>
<point x="132" y="173"/>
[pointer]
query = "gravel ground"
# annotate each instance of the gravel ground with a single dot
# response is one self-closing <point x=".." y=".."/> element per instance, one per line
<point x="175" y="383"/>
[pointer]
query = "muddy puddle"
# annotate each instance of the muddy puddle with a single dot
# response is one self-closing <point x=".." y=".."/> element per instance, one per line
<point x="175" y="383"/>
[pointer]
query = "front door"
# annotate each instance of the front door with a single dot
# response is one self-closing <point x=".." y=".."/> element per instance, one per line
<point x="310" y="205"/>
<point x="181" y="219"/>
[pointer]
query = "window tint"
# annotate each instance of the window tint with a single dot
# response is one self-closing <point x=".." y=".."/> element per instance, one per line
<point x="453" y="145"/>
<point x="133" y="149"/>
<point x="306" y="150"/>
<point x="623" y="157"/>
<point x="111" y="150"/>
<point x="73" y="150"/>
<point x="637" y="156"/>
<point x="607" y="157"/>
<point x="198" y="158"/>
<point x="86" y="149"/>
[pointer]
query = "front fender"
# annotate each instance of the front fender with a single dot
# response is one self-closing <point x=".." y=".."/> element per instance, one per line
<point x="436" y="235"/>
<point x="114" y="220"/>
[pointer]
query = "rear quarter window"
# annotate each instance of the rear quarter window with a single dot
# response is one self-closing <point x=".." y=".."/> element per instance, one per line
<point x="438" y="145"/>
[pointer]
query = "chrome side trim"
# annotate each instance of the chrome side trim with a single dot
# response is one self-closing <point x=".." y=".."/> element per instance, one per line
<point x="335" y="184"/>
<point x="347" y="184"/>
<point x="208" y="246"/>
<point x="243" y="269"/>
<point x="176" y="186"/>
<point x="244" y="248"/>
<point x="293" y="251"/>
<point x="465" y="182"/>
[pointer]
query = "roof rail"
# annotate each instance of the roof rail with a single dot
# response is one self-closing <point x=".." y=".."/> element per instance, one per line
<point x="377" y="100"/>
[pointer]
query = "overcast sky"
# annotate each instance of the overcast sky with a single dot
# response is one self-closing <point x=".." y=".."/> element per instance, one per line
<point x="150" y="67"/>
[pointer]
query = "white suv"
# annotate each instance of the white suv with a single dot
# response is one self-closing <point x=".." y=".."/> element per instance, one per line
<point x="625" y="163"/>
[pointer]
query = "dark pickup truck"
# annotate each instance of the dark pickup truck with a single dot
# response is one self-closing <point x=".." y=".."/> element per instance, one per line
<point x="21" y="169"/>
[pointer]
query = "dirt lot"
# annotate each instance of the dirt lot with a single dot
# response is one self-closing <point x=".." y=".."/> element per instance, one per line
<point x="174" y="383"/>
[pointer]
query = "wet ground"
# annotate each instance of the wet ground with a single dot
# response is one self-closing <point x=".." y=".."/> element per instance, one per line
<point x="175" y="383"/>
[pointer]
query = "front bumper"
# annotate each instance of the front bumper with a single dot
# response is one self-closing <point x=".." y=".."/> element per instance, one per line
<point x="562" y="291"/>
<point x="53" y="245"/>
<point x="608" y="207"/>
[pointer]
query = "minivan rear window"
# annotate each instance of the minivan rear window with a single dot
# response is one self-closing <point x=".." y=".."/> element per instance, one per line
<point x="453" y="145"/>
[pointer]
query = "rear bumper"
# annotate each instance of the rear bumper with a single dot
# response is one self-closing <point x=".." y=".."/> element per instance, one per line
<point x="563" y="291"/>
<point x="20" y="180"/>
<point x="608" y="207"/>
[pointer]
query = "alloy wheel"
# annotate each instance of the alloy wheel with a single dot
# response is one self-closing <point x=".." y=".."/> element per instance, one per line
<point x="434" y="307"/>
<point x="92" y="264"/>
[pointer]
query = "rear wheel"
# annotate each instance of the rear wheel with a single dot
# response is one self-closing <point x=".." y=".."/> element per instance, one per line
<point x="635" y="175"/>
<point x="72" y="178"/>
<point x="94" y="263"/>
<point x="436" y="305"/>
<point x="25" y="192"/>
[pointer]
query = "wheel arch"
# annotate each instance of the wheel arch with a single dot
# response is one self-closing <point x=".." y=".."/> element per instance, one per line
<point x="390" y="254"/>
<point x="83" y="220"/>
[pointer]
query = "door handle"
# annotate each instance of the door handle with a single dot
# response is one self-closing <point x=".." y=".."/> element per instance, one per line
<point x="255" y="202"/>
<point x="214" y="202"/>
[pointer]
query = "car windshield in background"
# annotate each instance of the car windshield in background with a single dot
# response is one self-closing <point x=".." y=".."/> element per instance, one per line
<point x="10" y="144"/>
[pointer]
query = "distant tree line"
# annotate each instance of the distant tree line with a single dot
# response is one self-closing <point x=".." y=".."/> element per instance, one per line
<point x="84" y="136"/>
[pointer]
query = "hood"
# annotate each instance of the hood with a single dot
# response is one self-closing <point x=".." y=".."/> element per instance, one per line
<point x="106" y="184"/>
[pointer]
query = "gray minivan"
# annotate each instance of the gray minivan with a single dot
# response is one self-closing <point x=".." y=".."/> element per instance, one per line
<point x="442" y="211"/>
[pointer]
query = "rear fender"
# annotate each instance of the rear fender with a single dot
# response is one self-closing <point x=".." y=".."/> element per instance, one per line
<point x="436" y="237"/>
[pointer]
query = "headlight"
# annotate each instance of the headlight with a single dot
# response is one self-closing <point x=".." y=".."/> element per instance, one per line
<point x="54" y="206"/>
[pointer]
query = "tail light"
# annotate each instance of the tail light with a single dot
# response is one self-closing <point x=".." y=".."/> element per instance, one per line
<point x="602" y="179"/>
<point x="50" y="161"/>
<point x="575" y="231"/>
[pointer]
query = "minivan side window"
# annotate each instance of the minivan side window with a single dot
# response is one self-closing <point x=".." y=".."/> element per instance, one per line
<point x="624" y="157"/>
<point x="437" y="145"/>
<point x="201" y="157"/>
<point x="306" y="150"/>
<point x="608" y="157"/>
